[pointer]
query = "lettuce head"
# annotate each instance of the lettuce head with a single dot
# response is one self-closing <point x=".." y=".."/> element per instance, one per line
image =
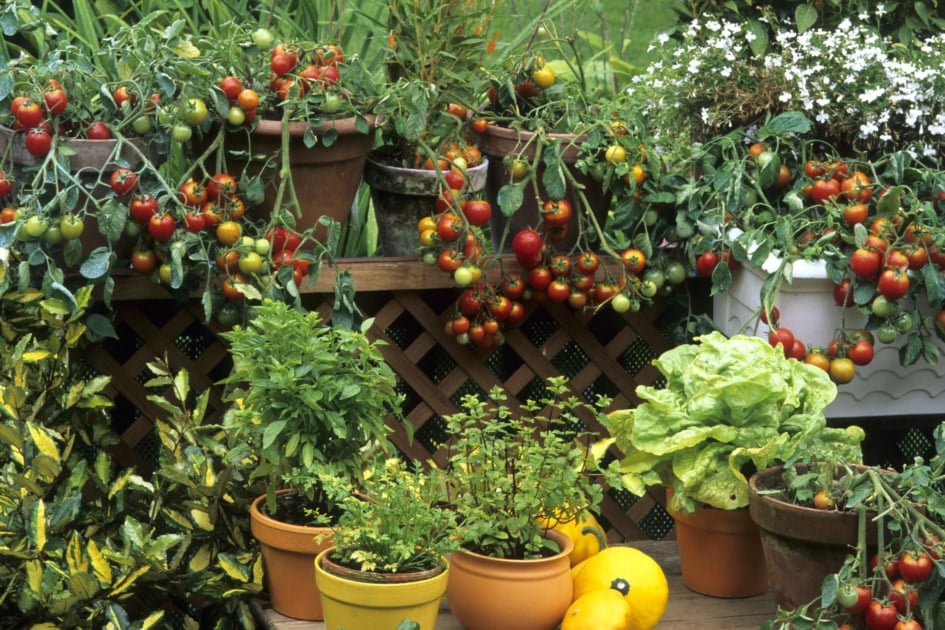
<point x="729" y="405"/>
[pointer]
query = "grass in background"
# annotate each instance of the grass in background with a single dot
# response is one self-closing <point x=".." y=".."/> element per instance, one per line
<point x="629" y="25"/>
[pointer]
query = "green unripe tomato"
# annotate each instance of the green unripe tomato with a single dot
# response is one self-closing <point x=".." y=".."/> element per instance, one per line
<point x="262" y="37"/>
<point x="35" y="226"/>
<point x="141" y="125"/>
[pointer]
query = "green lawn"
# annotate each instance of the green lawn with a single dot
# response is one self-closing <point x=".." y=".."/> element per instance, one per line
<point x="629" y="24"/>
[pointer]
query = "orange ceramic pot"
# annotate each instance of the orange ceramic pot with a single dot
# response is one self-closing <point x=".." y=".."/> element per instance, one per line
<point x="720" y="552"/>
<point x="326" y="178"/>
<point x="289" y="553"/>
<point x="487" y="593"/>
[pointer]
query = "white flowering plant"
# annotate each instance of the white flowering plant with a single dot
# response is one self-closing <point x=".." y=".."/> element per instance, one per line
<point x="786" y="144"/>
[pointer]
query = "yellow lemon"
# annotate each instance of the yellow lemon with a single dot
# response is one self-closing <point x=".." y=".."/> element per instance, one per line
<point x="647" y="591"/>
<point x="604" y="609"/>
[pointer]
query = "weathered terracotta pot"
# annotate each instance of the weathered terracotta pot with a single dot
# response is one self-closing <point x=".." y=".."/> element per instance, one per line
<point x="403" y="196"/>
<point x="802" y="545"/>
<point x="498" y="142"/>
<point x="289" y="553"/>
<point x="326" y="179"/>
<point x="355" y="599"/>
<point x="720" y="552"/>
<point x="500" y="594"/>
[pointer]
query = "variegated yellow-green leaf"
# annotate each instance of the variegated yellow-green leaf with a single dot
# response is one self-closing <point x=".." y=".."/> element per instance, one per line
<point x="233" y="568"/>
<point x="202" y="519"/>
<point x="56" y="307"/>
<point x="37" y="530"/>
<point x="46" y="625"/>
<point x="125" y="583"/>
<point x="152" y="620"/>
<point x="100" y="566"/>
<point x="9" y="435"/>
<point x="201" y="559"/>
<point x="209" y="476"/>
<point x="178" y="518"/>
<point x="34" y="575"/>
<point x="258" y="571"/>
<point x="182" y="385"/>
<point x="103" y="467"/>
<point x="76" y="559"/>
<point x="120" y="483"/>
<point x="45" y="467"/>
<point x="83" y="585"/>
<point x="43" y="441"/>
<point x="36" y="356"/>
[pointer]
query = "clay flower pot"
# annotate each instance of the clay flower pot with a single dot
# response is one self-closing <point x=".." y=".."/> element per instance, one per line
<point x="802" y="545"/>
<point x="498" y="142"/>
<point x="289" y="553"/>
<point x="326" y="178"/>
<point x="720" y="552"/>
<point x="487" y="593"/>
<point x="403" y="196"/>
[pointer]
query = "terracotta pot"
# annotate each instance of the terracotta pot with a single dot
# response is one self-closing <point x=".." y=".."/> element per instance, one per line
<point x="498" y="142"/>
<point x="487" y="593"/>
<point x="403" y="196"/>
<point x="354" y="599"/>
<point x="720" y="552"/>
<point x="289" y="553"/>
<point x="802" y="545"/>
<point x="326" y="179"/>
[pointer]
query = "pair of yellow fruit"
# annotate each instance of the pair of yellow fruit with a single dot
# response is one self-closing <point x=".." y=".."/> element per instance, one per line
<point x="615" y="588"/>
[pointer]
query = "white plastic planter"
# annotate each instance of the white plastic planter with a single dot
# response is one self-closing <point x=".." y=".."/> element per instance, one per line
<point x="882" y="388"/>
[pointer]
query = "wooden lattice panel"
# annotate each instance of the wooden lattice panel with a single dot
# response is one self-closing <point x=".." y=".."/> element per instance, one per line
<point x="601" y="352"/>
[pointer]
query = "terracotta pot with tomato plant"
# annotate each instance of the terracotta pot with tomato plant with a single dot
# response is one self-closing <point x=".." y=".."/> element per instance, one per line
<point x="852" y="543"/>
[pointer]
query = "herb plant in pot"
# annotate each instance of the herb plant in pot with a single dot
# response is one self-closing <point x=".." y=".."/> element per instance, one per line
<point x="309" y="400"/>
<point x="506" y="468"/>
<point x="730" y="406"/>
<point x="391" y="539"/>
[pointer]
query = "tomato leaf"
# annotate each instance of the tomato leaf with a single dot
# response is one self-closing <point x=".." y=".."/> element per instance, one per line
<point x="97" y="264"/>
<point x="510" y="198"/>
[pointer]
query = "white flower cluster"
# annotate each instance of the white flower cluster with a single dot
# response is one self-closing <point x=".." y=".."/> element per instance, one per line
<point x="854" y="83"/>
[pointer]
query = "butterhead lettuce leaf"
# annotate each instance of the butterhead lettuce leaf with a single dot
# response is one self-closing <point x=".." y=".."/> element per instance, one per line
<point x="729" y="405"/>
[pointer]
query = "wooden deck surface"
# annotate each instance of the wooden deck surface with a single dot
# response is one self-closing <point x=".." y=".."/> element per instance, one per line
<point x="686" y="610"/>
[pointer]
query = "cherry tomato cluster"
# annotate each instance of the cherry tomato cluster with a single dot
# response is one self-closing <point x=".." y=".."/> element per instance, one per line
<point x="296" y="72"/>
<point x="451" y="237"/>
<point x="41" y="114"/>
<point x="35" y="116"/>
<point x="890" y="599"/>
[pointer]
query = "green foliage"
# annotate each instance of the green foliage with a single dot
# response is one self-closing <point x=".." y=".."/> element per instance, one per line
<point x="90" y="544"/>
<point x="728" y="403"/>
<point x="434" y="55"/>
<point x="396" y="523"/>
<point x="508" y="467"/>
<point x="309" y="398"/>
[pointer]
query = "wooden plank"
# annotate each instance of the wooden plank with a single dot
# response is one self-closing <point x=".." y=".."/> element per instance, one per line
<point x="686" y="610"/>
